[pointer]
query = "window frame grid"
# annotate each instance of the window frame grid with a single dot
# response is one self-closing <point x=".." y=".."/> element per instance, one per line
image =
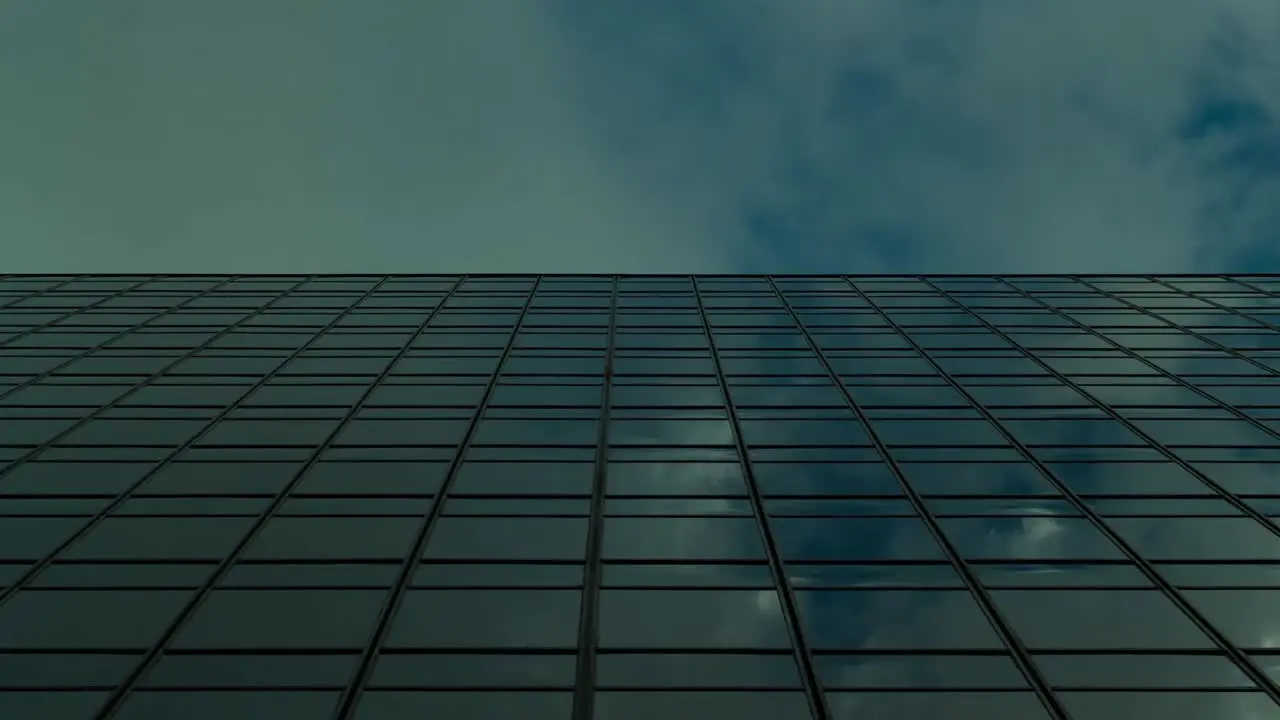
<point x="53" y="289"/>
<point x="127" y="685"/>
<point x="814" y="691"/>
<point x="6" y="392"/>
<point x="28" y="455"/>
<point x="973" y="588"/>
<point x="349" y="701"/>
<point x="1237" y="655"/>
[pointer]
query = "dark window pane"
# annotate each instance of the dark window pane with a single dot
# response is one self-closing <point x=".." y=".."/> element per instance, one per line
<point x="221" y="478"/>
<point x="401" y="432"/>
<point x="853" y="539"/>
<point x="34" y="538"/>
<point x="513" y="538"/>
<point x="497" y="575"/>
<point x="269" y="432"/>
<point x="1026" y="538"/>
<point x="938" y="432"/>
<point x="518" y="506"/>
<point x="123" y="575"/>
<point x="388" y="395"/>
<point x="928" y="706"/>
<point x="682" y="539"/>
<point x="894" y="620"/>
<point x="44" y="704"/>
<point x="837" y="506"/>
<point x="1221" y="575"/>
<point x="151" y="506"/>
<point x="1115" y="506"/>
<point x="508" y="395"/>
<point x="473" y="671"/>
<point x="747" y="705"/>
<point x="1035" y="507"/>
<point x="801" y="479"/>
<point x="524" y="478"/>
<point x="464" y="705"/>
<point x="1141" y="671"/>
<point x="310" y="575"/>
<point x="1099" y="478"/>
<point x="245" y="670"/>
<point x="133" y="432"/>
<point x="676" y="479"/>
<point x="1247" y="617"/>
<point x="99" y="619"/>
<point x="50" y="670"/>
<point x="677" y="506"/>
<point x="373" y="478"/>
<point x="246" y="705"/>
<point x="862" y="576"/>
<point x="1175" y="538"/>
<point x="804" y="432"/>
<point x="1030" y="575"/>
<point x="696" y="670"/>
<point x="334" y="539"/>
<point x="156" y="538"/>
<point x="486" y="618"/>
<point x="1197" y="705"/>
<point x="939" y="672"/>
<point x="959" y="479"/>
<point x="541" y="432"/>
<point x="737" y="575"/>
<point x="710" y="619"/>
<point x="47" y="478"/>
<point x="251" y="619"/>
<point x="1098" y="619"/>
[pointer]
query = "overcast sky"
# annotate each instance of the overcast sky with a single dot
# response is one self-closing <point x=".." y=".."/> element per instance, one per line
<point x="654" y="136"/>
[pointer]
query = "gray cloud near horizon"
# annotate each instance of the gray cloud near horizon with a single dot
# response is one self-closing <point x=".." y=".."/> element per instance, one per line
<point x="568" y="136"/>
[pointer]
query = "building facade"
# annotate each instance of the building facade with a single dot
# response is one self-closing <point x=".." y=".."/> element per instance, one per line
<point x="568" y="498"/>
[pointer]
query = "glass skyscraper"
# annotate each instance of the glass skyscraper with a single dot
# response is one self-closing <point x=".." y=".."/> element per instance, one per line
<point x="635" y="497"/>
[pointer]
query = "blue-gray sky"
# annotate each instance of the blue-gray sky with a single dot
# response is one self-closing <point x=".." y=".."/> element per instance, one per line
<point x="656" y="136"/>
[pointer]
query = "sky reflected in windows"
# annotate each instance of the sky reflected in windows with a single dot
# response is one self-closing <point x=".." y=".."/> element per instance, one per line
<point x="868" y="495"/>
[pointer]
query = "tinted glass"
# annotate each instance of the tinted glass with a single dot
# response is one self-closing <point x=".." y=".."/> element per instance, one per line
<point x="249" y="481"/>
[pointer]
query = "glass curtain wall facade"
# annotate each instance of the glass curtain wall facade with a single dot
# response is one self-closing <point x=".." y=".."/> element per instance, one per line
<point x="568" y="498"/>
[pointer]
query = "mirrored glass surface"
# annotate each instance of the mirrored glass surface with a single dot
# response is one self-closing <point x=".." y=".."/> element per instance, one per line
<point x="1141" y="671"/>
<point x="874" y="619"/>
<point x="1031" y="537"/>
<point x="1098" y="619"/>
<point x="962" y="479"/>
<point x="919" y="672"/>
<point x="692" y="619"/>
<point x="1171" y="704"/>
<point x="1198" y="538"/>
<point x="854" y="539"/>
<point x="905" y="705"/>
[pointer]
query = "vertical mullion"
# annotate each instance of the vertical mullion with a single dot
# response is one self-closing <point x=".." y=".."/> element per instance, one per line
<point x="122" y="691"/>
<point x="347" y="704"/>
<point x="782" y="585"/>
<point x="588" y="618"/>
<point x="1226" y="494"/>
<point x="1018" y="652"/>
<point x="1243" y="660"/>
<point x="113" y="339"/>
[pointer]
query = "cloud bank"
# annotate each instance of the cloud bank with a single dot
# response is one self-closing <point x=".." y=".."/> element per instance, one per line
<point x="697" y="136"/>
